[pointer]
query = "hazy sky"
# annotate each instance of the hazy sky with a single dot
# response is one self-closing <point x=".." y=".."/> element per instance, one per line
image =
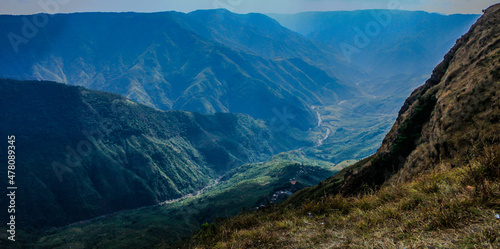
<point x="239" y="6"/>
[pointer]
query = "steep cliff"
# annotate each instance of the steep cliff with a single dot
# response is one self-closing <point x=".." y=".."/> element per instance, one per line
<point x="452" y="116"/>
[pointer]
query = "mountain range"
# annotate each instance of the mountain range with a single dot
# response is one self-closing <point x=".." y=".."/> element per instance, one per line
<point x="212" y="61"/>
<point x="178" y="61"/>
<point x="382" y="42"/>
<point x="127" y="122"/>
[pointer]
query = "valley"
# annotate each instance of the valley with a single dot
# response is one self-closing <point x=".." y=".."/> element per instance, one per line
<point x="212" y="129"/>
<point x="433" y="183"/>
<point x="246" y="187"/>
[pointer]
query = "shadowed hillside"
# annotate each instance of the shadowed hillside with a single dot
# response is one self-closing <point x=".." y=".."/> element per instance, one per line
<point x="84" y="153"/>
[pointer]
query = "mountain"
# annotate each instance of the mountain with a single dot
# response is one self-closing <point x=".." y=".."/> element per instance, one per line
<point x="383" y="42"/>
<point x="84" y="153"/>
<point x="177" y="61"/>
<point x="258" y="34"/>
<point x="454" y="113"/>
<point x="87" y="156"/>
<point x="434" y="182"/>
<point x="255" y="33"/>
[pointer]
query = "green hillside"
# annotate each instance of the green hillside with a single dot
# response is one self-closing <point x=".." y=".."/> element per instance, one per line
<point x="87" y="153"/>
<point x="247" y="187"/>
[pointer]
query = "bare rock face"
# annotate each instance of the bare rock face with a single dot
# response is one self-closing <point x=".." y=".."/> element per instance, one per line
<point x="454" y="115"/>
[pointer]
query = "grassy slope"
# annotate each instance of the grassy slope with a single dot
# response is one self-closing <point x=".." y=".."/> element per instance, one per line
<point x="450" y="207"/>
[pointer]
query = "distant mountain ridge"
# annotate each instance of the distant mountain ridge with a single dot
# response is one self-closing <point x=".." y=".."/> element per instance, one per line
<point x="382" y="42"/>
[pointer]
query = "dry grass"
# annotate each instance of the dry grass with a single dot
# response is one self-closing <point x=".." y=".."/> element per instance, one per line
<point x="448" y="208"/>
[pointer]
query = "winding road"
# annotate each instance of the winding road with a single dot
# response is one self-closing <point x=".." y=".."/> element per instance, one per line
<point x="320" y="124"/>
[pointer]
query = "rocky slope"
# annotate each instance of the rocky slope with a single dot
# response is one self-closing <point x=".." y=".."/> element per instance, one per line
<point x="454" y="113"/>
